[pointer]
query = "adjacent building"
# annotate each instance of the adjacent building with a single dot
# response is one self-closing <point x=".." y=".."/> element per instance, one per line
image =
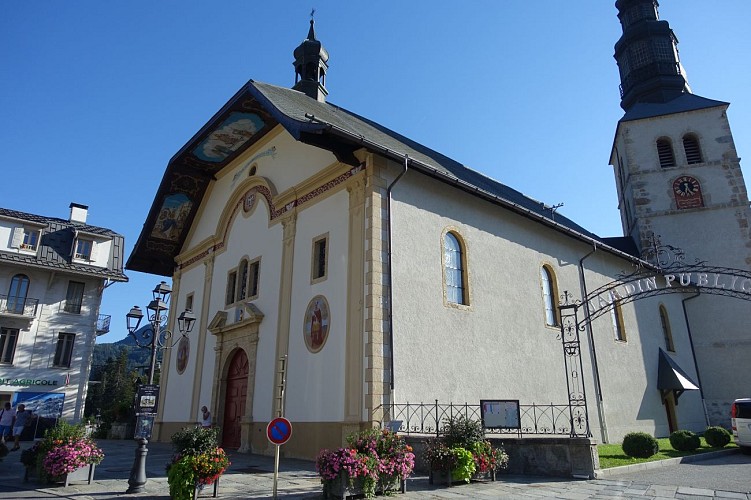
<point x="338" y="268"/>
<point x="53" y="273"/>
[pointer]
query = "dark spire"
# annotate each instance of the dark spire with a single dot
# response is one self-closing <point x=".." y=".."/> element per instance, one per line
<point x="647" y="55"/>
<point x="311" y="66"/>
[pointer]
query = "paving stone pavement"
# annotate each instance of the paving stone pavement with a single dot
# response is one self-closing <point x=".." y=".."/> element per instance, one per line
<point x="251" y="476"/>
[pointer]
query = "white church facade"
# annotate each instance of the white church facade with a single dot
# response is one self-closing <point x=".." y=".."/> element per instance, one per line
<point x="338" y="270"/>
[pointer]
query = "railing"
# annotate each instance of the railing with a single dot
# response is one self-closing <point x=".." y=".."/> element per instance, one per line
<point x="648" y="71"/>
<point x="18" y="305"/>
<point x="103" y="324"/>
<point x="421" y="418"/>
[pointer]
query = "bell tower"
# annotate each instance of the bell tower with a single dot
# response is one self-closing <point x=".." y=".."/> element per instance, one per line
<point x="678" y="178"/>
<point x="311" y="65"/>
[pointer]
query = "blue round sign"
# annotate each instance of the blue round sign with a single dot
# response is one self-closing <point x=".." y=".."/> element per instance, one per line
<point x="279" y="430"/>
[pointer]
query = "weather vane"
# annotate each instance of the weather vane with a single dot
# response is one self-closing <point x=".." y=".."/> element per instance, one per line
<point x="312" y="13"/>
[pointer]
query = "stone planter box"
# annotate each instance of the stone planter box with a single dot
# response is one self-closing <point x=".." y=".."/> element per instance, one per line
<point x="85" y="473"/>
<point x="442" y="477"/>
<point x="341" y="487"/>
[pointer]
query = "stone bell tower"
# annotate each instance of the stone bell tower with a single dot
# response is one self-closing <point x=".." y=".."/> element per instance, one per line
<point x="678" y="179"/>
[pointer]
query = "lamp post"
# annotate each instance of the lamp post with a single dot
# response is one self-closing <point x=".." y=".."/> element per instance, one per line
<point x="155" y="338"/>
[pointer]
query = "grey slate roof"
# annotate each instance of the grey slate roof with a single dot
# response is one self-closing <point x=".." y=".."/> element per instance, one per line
<point x="682" y="103"/>
<point x="56" y="242"/>
<point x="298" y="113"/>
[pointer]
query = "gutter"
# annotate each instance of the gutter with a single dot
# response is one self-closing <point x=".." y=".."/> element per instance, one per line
<point x="593" y="350"/>
<point x="693" y="354"/>
<point x="391" y="274"/>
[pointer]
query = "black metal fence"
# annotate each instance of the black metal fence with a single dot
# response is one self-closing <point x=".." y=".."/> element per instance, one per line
<point x="428" y="418"/>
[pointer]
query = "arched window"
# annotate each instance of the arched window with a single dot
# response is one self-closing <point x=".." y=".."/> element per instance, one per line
<point x="454" y="275"/>
<point x="665" y="153"/>
<point x="242" y="280"/>
<point x="692" y="149"/>
<point x="19" y="288"/>
<point x="666" y="333"/>
<point x="549" y="295"/>
<point x="616" y="315"/>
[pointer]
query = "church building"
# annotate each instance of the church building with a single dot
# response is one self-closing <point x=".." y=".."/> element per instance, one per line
<point x="339" y="270"/>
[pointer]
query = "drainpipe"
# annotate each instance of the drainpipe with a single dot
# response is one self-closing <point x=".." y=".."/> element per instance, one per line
<point x="391" y="274"/>
<point x="593" y="350"/>
<point x="693" y="354"/>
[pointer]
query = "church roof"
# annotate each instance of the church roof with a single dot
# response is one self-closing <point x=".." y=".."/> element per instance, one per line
<point x="313" y="122"/>
<point x="684" y="102"/>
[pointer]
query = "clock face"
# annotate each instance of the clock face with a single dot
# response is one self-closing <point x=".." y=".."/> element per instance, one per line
<point x="686" y="186"/>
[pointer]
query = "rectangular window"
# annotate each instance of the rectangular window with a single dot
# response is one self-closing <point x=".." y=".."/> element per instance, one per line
<point x="189" y="302"/>
<point x="74" y="297"/>
<point x="319" y="258"/>
<point x="30" y="239"/>
<point x="253" y="275"/>
<point x="64" y="349"/>
<point x="8" y="338"/>
<point x="83" y="249"/>
<point x="231" y="284"/>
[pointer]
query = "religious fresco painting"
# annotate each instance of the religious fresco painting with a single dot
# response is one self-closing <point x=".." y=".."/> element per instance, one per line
<point x="230" y="136"/>
<point x="316" y="326"/>
<point x="183" y="354"/>
<point x="172" y="217"/>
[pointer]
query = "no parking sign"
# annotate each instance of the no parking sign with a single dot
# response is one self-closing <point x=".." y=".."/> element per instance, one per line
<point x="279" y="431"/>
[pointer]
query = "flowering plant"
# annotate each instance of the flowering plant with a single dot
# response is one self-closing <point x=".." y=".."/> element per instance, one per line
<point x="376" y="458"/>
<point x="198" y="462"/>
<point x="462" y="450"/>
<point x="64" y="449"/>
<point x="69" y="456"/>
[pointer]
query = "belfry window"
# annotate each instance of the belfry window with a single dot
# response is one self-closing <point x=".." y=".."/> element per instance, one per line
<point x="454" y="275"/>
<point x="692" y="149"/>
<point x="549" y="296"/>
<point x="665" y="153"/>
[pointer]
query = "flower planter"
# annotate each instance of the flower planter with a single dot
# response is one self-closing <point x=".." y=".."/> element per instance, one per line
<point x="199" y="488"/>
<point x="85" y="473"/>
<point x="342" y="488"/>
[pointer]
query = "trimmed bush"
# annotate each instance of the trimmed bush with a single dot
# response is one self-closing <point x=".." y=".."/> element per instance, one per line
<point x="717" y="437"/>
<point x="684" y="440"/>
<point x="639" y="445"/>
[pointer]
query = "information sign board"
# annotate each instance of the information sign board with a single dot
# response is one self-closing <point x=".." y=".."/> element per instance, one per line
<point x="500" y="413"/>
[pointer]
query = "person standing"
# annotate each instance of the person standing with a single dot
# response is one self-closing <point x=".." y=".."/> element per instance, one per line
<point x="23" y="419"/>
<point x="205" y="417"/>
<point x="7" y="417"/>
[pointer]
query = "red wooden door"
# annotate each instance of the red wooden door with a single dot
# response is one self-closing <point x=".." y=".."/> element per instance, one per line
<point x="234" y="404"/>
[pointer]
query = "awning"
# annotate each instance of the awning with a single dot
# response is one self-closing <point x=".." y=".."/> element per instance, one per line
<point x="672" y="378"/>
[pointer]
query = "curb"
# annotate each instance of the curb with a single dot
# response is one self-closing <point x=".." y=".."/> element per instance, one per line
<point x="614" y="471"/>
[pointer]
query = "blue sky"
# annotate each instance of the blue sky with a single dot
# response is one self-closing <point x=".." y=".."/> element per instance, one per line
<point x="96" y="97"/>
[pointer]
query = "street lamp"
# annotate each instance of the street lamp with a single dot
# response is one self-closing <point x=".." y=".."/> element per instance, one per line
<point x="154" y="337"/>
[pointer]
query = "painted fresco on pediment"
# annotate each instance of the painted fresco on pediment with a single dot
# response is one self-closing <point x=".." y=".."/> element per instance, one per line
<point x="172" y="217"/>
<point x="230" y="136"/>
<point x="316" y="327"/>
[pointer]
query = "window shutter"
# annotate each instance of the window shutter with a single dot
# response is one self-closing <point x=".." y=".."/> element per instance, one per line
<point x="94" y="246"/>
<point x="17" y="237"/>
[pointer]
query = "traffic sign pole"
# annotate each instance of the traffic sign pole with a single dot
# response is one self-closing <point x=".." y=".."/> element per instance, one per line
<point x="278" y="432"/>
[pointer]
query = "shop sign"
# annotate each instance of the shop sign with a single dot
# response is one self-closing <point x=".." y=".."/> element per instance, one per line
<point x="27" y="382"/>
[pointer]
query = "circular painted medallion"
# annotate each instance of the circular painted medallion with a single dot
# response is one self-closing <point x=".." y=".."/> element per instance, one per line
<point x="183" y="354"/>
<point x="316" y="327"/>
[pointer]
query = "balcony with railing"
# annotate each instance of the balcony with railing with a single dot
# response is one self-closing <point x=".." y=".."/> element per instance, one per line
<point x="18" y="306"/>
<point x="103" y="324"/>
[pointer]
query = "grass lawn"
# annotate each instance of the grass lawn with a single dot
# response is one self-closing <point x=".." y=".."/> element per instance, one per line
<point x="611" y="455"/>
